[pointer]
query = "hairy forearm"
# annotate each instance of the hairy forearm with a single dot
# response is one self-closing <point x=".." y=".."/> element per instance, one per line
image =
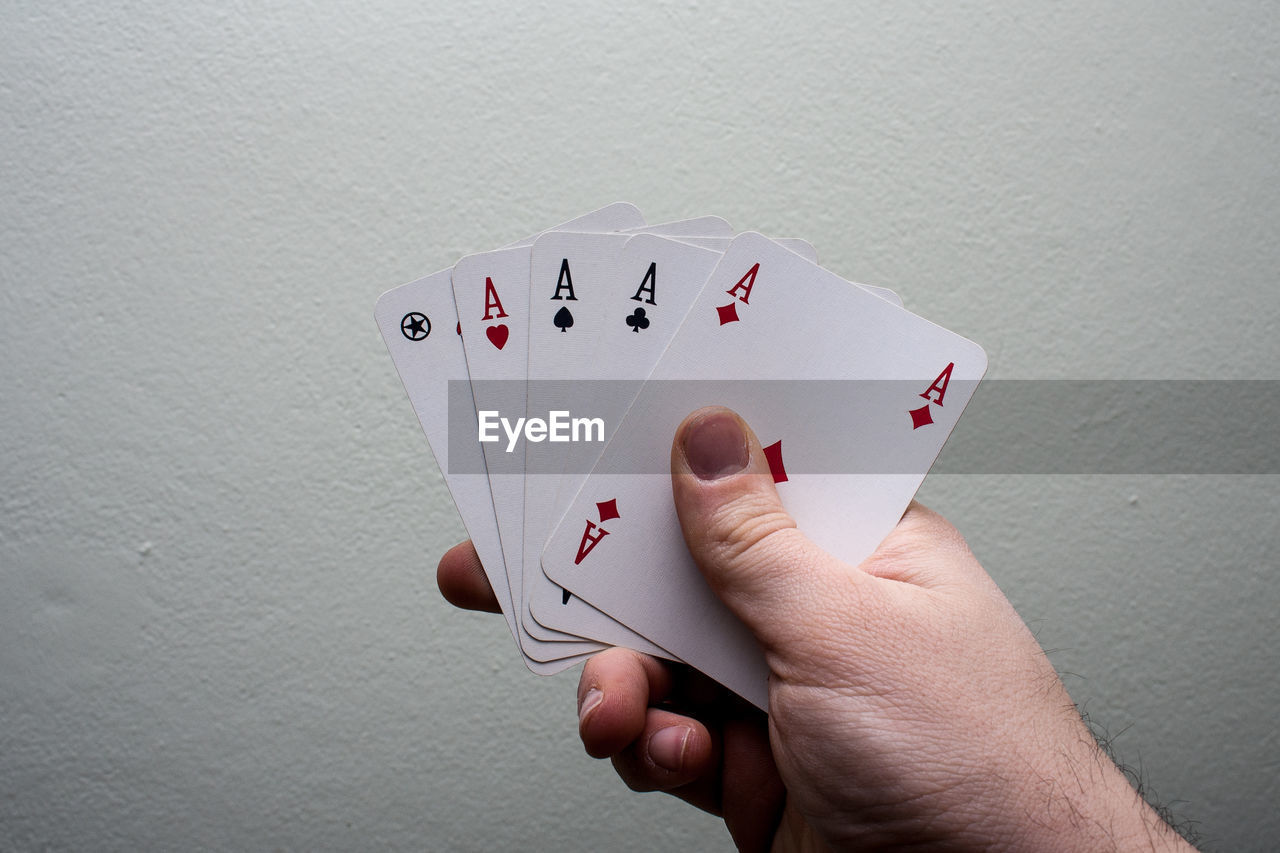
<point x="1084" y="802"/>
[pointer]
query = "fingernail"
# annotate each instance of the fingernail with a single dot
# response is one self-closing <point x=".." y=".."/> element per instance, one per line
<point x="666" y="747"/>
<point x="716" y="446"/>
<point x="589" y="701"/>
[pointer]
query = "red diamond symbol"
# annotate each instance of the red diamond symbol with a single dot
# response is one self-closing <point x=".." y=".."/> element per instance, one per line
<point x="607" y="509"/>
<point x="921" y="417"/>
<point x="773" y="453"/>
<point x="728" y="313"/>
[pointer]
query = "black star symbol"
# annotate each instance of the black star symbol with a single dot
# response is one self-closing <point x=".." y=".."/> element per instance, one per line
<point x="415" y="326"/>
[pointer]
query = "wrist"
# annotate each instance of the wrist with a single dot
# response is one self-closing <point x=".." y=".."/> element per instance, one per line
<point x="1086" y="804"/>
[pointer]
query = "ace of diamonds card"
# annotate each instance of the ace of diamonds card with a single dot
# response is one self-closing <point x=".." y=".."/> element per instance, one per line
<point x="852" y="397"/>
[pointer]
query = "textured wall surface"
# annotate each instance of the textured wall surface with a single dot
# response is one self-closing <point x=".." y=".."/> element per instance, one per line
<point x="218" y="619"/>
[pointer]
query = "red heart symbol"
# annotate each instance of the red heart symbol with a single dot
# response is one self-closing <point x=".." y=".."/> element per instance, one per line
<point x="498" y="335"/>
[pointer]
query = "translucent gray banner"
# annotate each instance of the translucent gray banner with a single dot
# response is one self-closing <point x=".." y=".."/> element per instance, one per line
<point x="1009" y="427"/>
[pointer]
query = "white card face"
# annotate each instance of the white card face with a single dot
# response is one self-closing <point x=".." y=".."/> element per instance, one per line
<point x="719" y="243"/>
<point x="418" y="322"/>
<point x="492" y="297"/>
<point x="653" y="283"/>
<point x="702" y="226"/>
<point x="569" y="275"/>
<point x="491" y="293"/>
<point x="803" y="248"/>
<point x="851" y="453"/>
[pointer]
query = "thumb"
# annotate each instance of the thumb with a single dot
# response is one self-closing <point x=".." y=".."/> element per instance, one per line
<point x="744" y="541"/>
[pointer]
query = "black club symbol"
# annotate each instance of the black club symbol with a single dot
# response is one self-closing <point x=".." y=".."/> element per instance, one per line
<point x="637" y="320"/>
<point x="415" y="326"/>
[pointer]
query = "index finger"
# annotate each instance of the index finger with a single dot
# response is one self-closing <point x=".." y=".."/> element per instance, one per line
<point x="462" y="581"/>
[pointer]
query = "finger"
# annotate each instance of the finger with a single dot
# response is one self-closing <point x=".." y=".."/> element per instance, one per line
<point x="653" y="749"/>
<point x="614" y="693"/>
<point x="462" y="580"/>
<point x="746" y="544"/>
<point x="672" y="753"/>
<point x="752" y="794"/>
<point x="726" y="769"/>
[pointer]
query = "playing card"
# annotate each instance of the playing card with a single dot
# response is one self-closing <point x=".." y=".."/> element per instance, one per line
<point x="848" y="452"/>
<point x="801" y="247"/>
<point x="493" y="300"/>
<point x="491" y="292"/>
<point x="570" y="338"/>
<point x="720" y="242"/>
<point x="651" y="285"/>
<point x="419" y="325"/>
<point x="696" y="228"/>
<point x="637" y="327"/>
<point x="630" y="296"/>
<point x="569" y="276"/>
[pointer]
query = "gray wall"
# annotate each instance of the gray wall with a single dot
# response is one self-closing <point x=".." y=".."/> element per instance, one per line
<point x="218" y="620"/>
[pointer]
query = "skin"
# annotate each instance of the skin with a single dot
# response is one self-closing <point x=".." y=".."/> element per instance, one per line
<point x="910" y="706"/>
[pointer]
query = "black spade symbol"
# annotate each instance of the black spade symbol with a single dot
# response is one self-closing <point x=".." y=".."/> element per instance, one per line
<point x="637" y="320"/>
<point x="563" y="319"/>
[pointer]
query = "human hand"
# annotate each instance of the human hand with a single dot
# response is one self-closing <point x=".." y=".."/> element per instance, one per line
<point x="909" y="704"/>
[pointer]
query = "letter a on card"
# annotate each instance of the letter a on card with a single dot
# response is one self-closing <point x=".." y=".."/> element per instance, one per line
<point x="740" y="292"/>
<point x="607" y="510"/>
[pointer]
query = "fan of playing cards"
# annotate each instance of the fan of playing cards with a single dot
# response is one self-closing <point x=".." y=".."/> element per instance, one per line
<point x="602" y="334"/>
